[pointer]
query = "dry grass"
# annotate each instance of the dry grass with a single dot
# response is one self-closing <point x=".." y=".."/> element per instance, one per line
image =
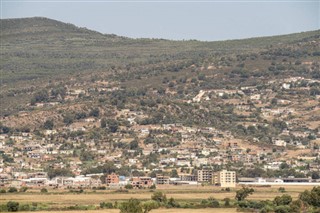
<point x="92" y="199"/>
<point x="153" y="211"/>
<point x="179" y="193"/>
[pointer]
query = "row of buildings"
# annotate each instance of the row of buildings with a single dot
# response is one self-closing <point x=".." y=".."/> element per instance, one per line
<point x="223" y="178"/>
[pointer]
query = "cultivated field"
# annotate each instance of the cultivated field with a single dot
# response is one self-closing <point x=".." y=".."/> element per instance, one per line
<point x="59" y="199"/>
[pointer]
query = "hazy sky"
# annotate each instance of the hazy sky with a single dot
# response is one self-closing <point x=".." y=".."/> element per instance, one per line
<point x="202" y="20"/>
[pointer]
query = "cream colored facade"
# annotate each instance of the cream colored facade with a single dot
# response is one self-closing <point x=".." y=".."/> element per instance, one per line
<point x="224" y="178"/>
<point x="204" y="175"/>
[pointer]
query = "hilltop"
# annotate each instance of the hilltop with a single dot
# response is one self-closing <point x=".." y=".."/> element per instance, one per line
<point x="40" y="47"/>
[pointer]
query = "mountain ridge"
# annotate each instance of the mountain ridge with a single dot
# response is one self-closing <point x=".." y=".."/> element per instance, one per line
<point x="10" y="22"/>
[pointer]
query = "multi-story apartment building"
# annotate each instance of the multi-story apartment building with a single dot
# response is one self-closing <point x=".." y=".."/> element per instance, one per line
<point x="112" y="179"/>
<point x="161" y="179"/>
<point x="224" y="178"/>
<point x="141" y="182"/>
<point x="204" y="175"/>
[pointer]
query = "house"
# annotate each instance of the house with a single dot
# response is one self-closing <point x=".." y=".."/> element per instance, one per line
<point x="141" y="182"/>
<point x="279" y="142"/>
<point x="161" y="179"/>
<point x="286" y="86"/>
<point x="38" y="175"/>
<point x="188" y="177"/>
<point x="183" y="161"/>
<point x="4" y="179"/>
<point x="112" y="179"/>
<point x="34" y="182"/>
<point x="200" y="161"/>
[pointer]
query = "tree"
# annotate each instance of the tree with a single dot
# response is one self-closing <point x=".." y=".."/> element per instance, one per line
<point x="48" y="124"/>
<point x="243" y="193"/>
<point x="59" y="91"/>
<point x="12" y="206"/>
<point x="174" y="173"/>
<point x="23" y="189"/>
<point x="131" y="206"/>
<point x="86" y="155"/>
<point x="212" y="202"/>
<point x="282" y="209"/>
<point x="281" y="189"/>
<point x="297" y="206"/>
<point x="274" y="101"/>
<point x="172" y="203"/>
<point x="315" y="175"/>
<point x="159" y="197"/>
<point x="59" y="172"/>
<point x="134" y="145"/>
<point x="112" y="125"/>
<point x="68" y="118"/>
<point x="103" y="123"/>
<point x="149" y="205"/>
<point x="284" y="165"/>
<point x="128" y="186"/>
<point x="227" y="202"/>
<point x="4" y="129"/>
<point x="94" y="112"/>
<point x="12" y="190"/>
<point x="311" y="197"/>
<point x="283" y="200"/>
<point x="40" y="96"/>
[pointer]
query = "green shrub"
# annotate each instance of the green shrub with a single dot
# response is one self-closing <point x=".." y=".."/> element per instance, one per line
<point x="24" y="207"/>
<point x="243" y="193"/>
<point x="311" y="197"/>
<point x="128" y="186"/>
<point x="227" y="202"/>
<point x="149" y="205"/>
<point x="212" y="202"/>
<point x="153" y="186"/>
<point x="2" y="191"/>
<point x="266" y="209"/>
<point x="23" y="189"/>
<point x="108" y="205"/>
<point x="44" y="190"/>
<point x="283" y="200"/>
<point x="131" y="206"/>
<point x="3" y="208"/>
<point x="282" y="209"/>
<point x="159" y="197"/>
<point x="12" y="206"/>
<point x="282" y="189"/>
<point x="172" y="203"/>
<point x="243" y="204"/>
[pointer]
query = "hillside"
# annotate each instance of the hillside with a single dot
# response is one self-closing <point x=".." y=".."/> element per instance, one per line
<point x="39" y="47"/>
<point x="235" y="104"/>
<point x="36" y="50"/>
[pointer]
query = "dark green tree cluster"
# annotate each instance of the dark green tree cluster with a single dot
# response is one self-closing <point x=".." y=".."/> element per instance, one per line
<point x="243" y="193"/>
<point x="40" y="96"/>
